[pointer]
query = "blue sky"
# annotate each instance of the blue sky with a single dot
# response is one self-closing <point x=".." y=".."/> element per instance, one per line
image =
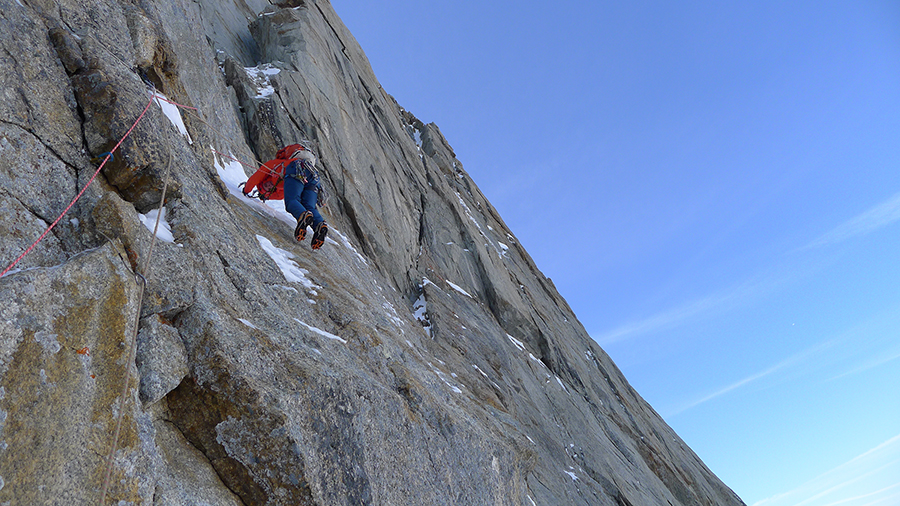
<point x="714" y="187"/>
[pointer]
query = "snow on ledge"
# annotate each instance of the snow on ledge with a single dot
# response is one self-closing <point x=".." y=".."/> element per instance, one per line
<point x="290" y="269"/>
<point x="321" y="332"/>
<point x="459" y="289"/>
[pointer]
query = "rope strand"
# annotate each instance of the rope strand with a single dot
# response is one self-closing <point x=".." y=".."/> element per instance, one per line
<point x="143" y="275"/>
<point x="113" y="150"/>
<point x="140" y="277"/>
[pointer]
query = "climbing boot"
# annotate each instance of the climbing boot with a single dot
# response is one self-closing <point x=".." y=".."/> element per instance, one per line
<point x="303" y="221"/>
<point x="319" y="235"/>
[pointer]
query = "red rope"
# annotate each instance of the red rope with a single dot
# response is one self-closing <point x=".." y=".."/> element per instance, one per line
<point x="164" y="99"/>
<point x="113" y="150"/>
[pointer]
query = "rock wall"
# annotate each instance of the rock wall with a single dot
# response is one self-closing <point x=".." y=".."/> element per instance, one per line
<point x="420" y="357"/>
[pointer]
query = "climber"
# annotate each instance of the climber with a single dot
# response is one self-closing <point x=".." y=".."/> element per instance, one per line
<point x="292" y="176"/>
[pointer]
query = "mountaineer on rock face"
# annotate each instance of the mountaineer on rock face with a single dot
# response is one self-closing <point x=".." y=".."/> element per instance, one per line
<point x="292" y="176"/>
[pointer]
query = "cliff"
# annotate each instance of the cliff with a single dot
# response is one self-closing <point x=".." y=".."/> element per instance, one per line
<point x="419" y="357"/>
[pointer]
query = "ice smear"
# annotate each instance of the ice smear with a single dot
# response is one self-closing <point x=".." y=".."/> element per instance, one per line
<point x="392" y="315"/>
<point x="471" y="216"/>
<point x="292" y="272"/>
<point x="164" y="231"/>
<point x="561" y="384"/>
<point x="171" y="111"/>
<point x="321" y="332"/>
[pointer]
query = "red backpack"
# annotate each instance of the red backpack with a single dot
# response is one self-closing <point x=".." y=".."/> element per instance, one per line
<point x="288" y="151"/>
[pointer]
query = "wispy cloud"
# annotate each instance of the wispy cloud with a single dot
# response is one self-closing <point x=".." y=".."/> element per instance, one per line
<point x="879" y="216"/>
<point x="719" y="301"/>
<point x="872" y="363"/>
<point x="879" y="332"/>
<point x="664" y="320"/>
<point x="876" y="342"/>
<point x="790" y="361"/>
<point x="870" y="479"/>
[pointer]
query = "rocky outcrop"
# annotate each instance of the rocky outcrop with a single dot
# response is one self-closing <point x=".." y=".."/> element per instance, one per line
<point x="420" y="357"/>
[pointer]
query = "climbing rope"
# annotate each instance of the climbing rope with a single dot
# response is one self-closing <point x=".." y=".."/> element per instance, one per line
<point x="109" y="155"/>
<point x="141" y="277"/>
<point x="66" y="210"/>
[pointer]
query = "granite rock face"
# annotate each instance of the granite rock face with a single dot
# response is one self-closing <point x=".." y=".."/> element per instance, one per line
<point x="419" y="357"/>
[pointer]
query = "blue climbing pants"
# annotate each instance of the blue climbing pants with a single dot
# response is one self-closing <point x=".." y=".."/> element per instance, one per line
<point x="299" y="196"/>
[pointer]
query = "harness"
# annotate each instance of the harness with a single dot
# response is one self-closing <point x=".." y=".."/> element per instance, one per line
<point x="305" y="172"/>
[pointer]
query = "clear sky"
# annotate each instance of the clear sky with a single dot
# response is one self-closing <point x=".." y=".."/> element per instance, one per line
<point x="714" y="187"/>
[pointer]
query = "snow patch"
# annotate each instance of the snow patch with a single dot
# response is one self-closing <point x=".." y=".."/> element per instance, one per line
<point x="519" y="344"/>
<point x="321" y="332"/>
<point x="164" y="231"/>
<point x="459" y="289"/>
<point x="292" y="272"/>
<point x="260" y="77"/>
<point x="173" y="114"/>
<point x="231" y="172"/>
<point x="420" y="311"/>
<point x="247" y="323"/>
